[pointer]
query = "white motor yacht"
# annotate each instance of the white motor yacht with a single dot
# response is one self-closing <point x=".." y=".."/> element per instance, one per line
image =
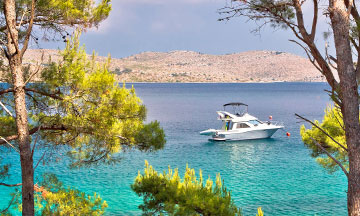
<point x="240" y="125"/>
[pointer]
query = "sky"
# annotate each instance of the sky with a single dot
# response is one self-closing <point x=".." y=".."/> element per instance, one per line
<point x="136" y="26"/>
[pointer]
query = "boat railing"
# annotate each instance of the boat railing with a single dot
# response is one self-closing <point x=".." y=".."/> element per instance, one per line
<point x="276" y="123"/>
<point x="224" y="118"/>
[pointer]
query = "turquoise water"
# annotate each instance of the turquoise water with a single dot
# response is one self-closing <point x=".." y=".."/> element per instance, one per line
<point x="277" y="174"/>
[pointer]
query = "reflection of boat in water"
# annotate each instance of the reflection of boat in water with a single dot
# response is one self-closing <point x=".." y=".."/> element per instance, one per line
<point x="240" y="125"/>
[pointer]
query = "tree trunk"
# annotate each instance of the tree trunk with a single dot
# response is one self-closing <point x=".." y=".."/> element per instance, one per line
<point x="349" y="98"/>
<point x="15" y="63"/>
<point x="27" y="170"/>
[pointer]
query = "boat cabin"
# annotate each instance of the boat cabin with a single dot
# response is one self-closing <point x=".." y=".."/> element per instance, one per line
<point x="230" y="125"/>
<point x="239" y="119"/>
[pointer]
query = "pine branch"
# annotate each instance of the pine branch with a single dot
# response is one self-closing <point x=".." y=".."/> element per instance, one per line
<point x="332" y="157"/>
<point x="322" y="130"/>
<point x="10" y="185"/>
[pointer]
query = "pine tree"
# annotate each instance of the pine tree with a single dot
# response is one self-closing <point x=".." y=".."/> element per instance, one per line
<point x="78" y="104"/>
<point x="166" y="193"/>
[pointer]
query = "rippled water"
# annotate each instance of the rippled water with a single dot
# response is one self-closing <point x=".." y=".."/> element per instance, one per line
<point x="277" y="174"/>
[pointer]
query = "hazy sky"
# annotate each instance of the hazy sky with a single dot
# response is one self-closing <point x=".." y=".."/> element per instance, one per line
<point x="136" y="26"/>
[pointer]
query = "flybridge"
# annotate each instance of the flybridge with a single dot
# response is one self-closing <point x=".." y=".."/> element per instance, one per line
<point x="236" y="108"/>
<point x="235" y="104"/>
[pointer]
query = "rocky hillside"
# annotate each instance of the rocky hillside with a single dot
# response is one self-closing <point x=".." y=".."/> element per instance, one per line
<point x="188" y="66"/>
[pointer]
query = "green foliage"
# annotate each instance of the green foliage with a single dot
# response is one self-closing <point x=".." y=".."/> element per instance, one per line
<point x="5" y="213"/>
<point x="53" y="198"/>
<point x="58" y="15"/>
<point x="167" y="194"/>
<point x="117" y="71"/>
<point x="260" y="212"/>
<point x="332" y="124"/>
<point x="79" y="104"/>
<point x="9" y="124"/>
<point x="49" y="112"/>
<point x="4" y="171"/>
<point x="144" y="140"/>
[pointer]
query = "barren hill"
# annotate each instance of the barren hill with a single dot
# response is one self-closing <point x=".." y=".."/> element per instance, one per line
<point x="188" y="66"/>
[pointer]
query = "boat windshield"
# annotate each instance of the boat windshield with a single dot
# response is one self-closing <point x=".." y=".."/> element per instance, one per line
<point x="255" y="122"/>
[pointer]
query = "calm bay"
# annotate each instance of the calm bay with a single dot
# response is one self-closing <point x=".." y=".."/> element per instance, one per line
<point x="277" y="174"/>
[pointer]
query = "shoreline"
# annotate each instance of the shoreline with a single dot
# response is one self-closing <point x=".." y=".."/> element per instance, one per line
<point x="223" y="82"/>
<point x="210" y="82"/>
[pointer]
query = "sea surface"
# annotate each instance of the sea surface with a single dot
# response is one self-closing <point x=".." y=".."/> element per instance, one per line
<point x="276" y="174"/>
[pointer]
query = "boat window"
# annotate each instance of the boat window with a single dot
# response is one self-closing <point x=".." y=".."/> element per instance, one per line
<point x="231" y="124"/>
<point x="254" y="122"/>
<point x="242" y="125"/>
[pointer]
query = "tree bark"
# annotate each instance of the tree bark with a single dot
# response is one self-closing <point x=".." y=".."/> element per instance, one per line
<point x="349" y="99"/>
<point x="15" y="63"/>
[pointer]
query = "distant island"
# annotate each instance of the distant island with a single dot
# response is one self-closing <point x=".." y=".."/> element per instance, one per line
<point x="189" y="66"/>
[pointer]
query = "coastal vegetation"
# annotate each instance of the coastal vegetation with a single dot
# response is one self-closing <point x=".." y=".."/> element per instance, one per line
<point x="328" y="137"/>
<point x="81" y="114"/>
<point x="53" y="198"/>
<point x="343" y="18"/>
<point x="167" y="193"/>
<point x="78" y="110"/>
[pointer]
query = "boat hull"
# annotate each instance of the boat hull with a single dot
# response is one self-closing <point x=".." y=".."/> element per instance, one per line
<point x="208" y="132"/>
<point x="244" y="135"/>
